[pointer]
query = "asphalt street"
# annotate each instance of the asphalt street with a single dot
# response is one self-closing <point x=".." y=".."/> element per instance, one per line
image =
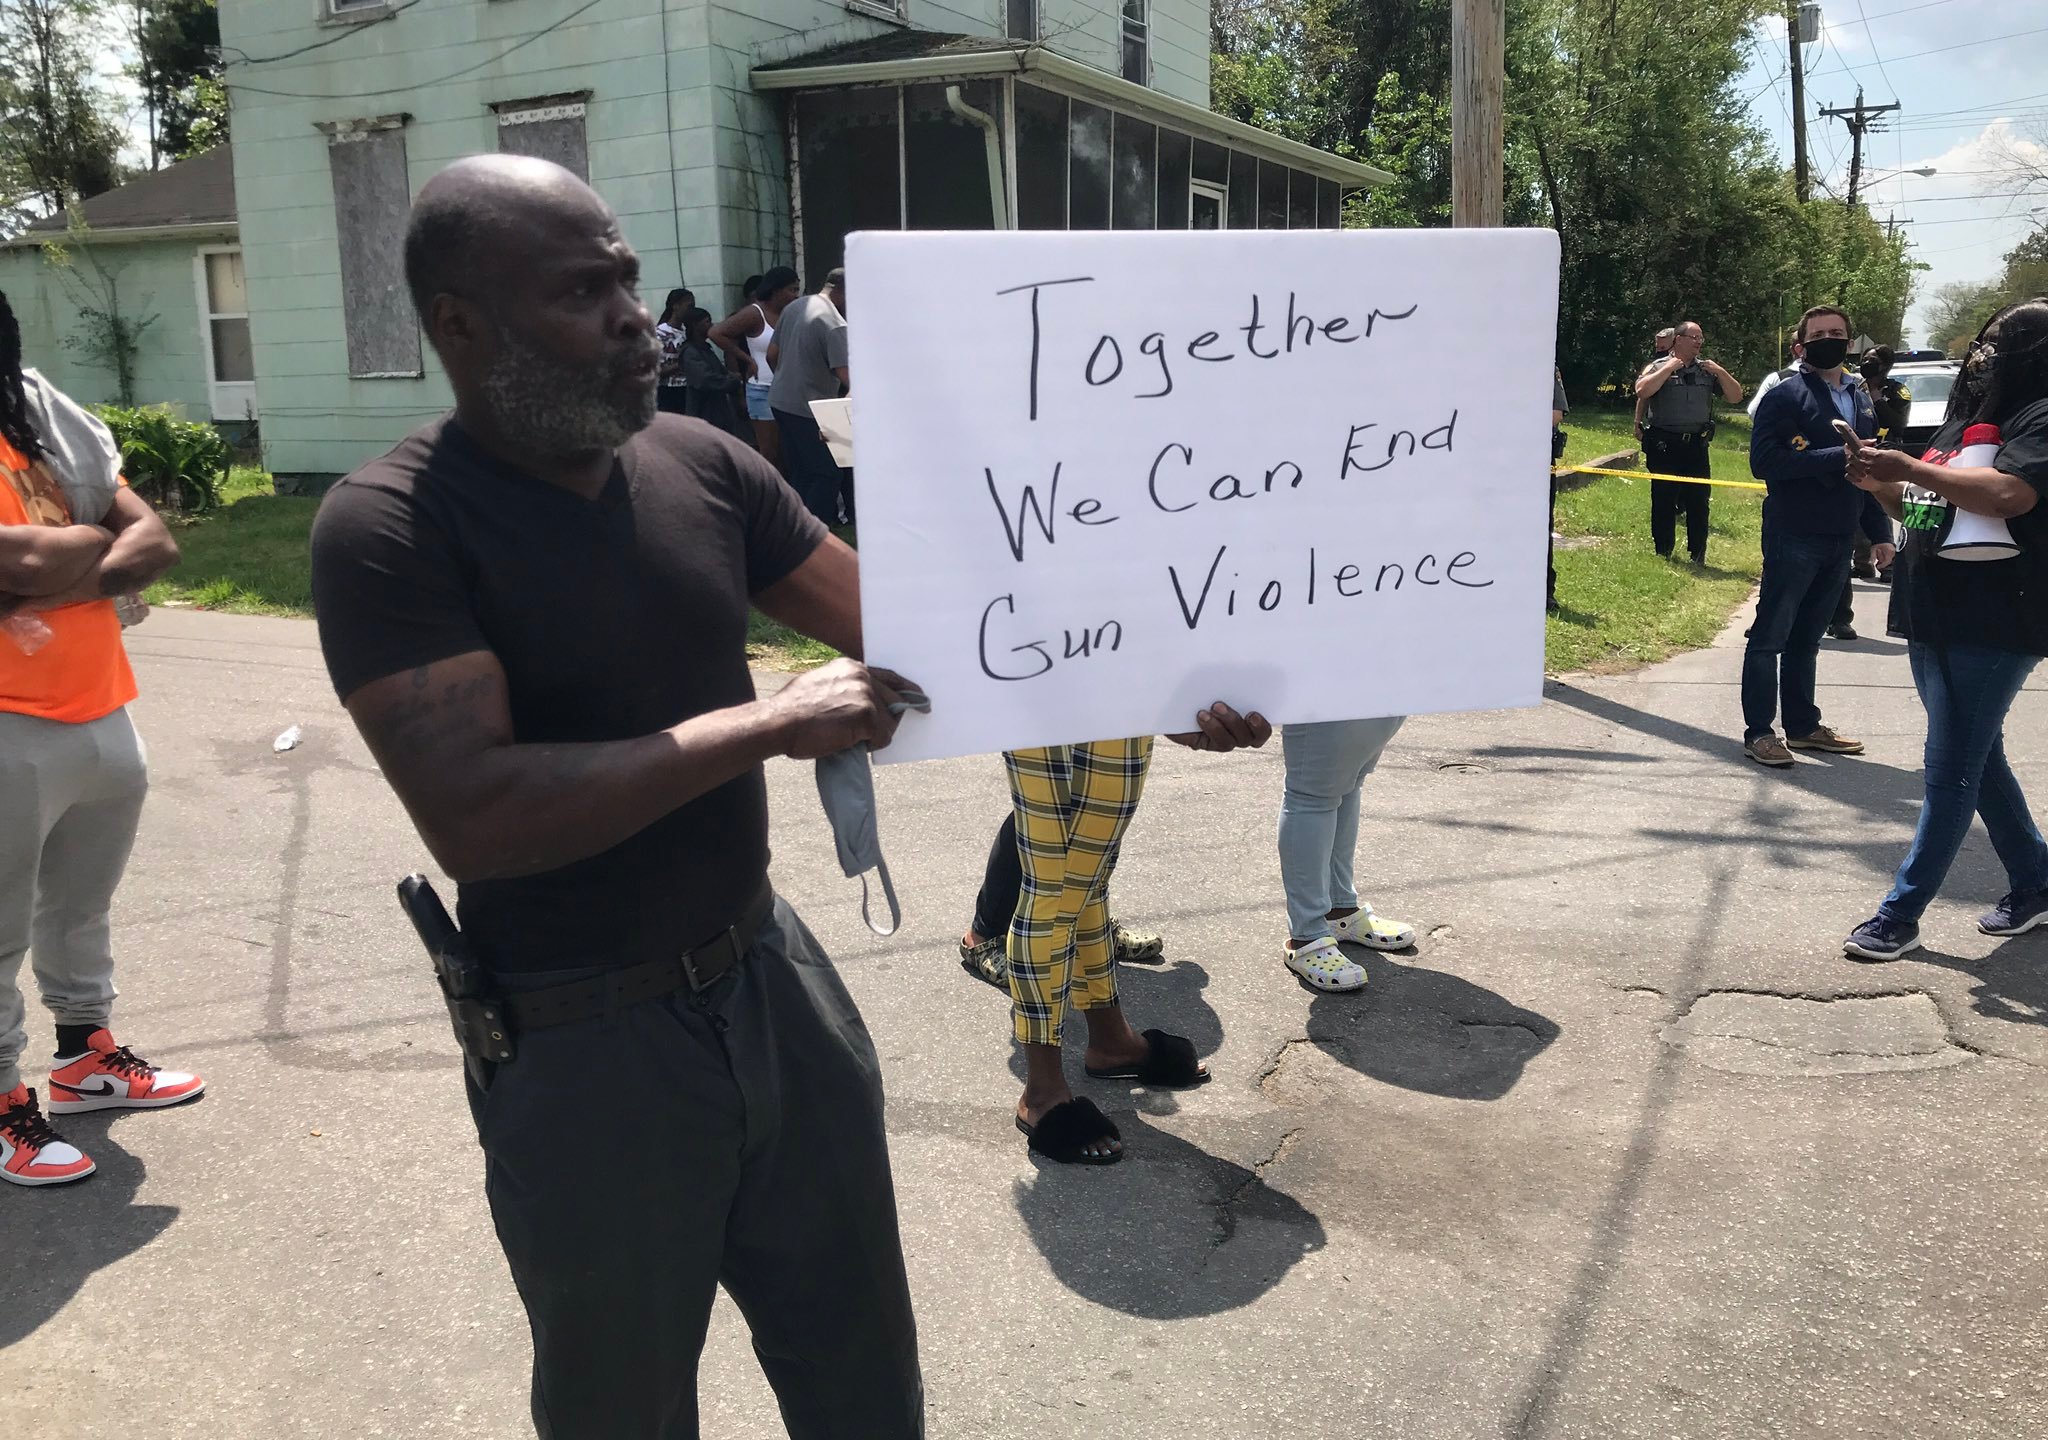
<point x="1625" y="1148"/>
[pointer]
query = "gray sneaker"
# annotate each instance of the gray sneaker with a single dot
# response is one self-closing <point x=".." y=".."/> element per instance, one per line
<point x="1768" y="749"/>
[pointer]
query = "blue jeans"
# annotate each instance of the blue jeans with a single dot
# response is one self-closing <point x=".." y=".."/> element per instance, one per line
<point x="1803" y="580"/>
<point x="1967" y="692"/>
<point x="1326" y="763"/>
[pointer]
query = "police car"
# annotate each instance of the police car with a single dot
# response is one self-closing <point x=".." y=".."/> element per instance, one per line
<point x="1928" y="382"/>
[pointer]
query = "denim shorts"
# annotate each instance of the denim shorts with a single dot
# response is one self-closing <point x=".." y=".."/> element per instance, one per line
<point x="757" y="403"/>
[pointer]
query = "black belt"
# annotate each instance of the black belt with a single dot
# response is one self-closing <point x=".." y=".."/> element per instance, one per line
<point x="1671" y="434"/>
<point x="694" y="970"/>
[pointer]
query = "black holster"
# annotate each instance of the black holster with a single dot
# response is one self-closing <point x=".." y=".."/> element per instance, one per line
<point x="477" y="1013"/>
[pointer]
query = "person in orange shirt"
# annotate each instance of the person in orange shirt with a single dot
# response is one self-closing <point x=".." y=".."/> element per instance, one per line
<point x="72" y="770"/>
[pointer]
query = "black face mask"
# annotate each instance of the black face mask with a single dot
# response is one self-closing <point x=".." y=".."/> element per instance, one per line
<point x="1826" y="353"/>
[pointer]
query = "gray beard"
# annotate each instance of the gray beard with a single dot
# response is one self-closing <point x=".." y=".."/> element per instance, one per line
<point x="541" y="405"/>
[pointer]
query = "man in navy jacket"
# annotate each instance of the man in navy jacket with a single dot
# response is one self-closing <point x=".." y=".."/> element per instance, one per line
<point x="1811" y="516"/>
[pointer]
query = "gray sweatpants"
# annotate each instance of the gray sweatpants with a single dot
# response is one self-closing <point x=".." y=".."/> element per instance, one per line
<point x="637" y="1162"/>
<point x="70" y="799"/>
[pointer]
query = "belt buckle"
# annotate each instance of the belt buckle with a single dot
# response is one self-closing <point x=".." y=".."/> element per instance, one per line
<point x="690" y="976"/>
<point x="698" y="984"/>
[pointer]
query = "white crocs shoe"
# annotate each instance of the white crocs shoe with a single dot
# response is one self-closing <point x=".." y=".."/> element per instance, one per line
<point x="1373" y="931"/>
<point x="1322" y="964"/>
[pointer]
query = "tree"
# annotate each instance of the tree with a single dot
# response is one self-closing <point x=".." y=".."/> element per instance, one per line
<point x="110" y="329"/>
<point x="59" y="140"/>
<point x="1959" y="311"/>
<point x="1625" y="133"/>
<point x="2026" y="267"/>
<point x="178" y="69"/>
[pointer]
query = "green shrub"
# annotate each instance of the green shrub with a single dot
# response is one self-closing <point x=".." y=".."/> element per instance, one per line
<point x="176" y="464"/>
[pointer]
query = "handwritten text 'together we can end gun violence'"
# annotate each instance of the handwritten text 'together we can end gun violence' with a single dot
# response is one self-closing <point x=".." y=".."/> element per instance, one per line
<point x="1173" y="485"/>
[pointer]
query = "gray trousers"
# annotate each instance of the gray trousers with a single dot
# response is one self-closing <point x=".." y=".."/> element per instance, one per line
<point x="634" y="1163"/>
<point x="70" y="799"/>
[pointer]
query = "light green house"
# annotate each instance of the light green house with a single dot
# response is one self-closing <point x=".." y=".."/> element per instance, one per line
<point x="160" y="255"/>
<point x="730" y="137"/>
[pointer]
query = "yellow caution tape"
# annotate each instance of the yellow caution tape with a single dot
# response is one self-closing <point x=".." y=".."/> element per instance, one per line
<point x="1646" y="475"/>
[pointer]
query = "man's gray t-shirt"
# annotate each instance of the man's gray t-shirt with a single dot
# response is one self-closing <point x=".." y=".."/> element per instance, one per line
<point x="811" y="336"/>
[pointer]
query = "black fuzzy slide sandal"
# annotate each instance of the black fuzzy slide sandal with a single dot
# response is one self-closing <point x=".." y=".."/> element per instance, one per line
<point x="1170" y="1064"/>
<point x="1064" y="1132"/>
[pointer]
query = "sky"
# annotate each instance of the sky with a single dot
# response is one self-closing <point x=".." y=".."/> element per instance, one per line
<point x="1970" y="76"/>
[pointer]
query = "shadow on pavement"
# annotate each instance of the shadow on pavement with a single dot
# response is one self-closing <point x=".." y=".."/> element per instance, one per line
<point x="2011" y="982"/>
<point x="1868" y="785"/>
<point x="1170" y="1233"/>
<point x="1428" y="1031"/>
<point x="1166" y="997"/>
<point x="1561" y="752"/>
<point x="58" y="1235"/>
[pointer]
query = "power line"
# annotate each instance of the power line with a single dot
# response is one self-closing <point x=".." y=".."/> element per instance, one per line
<point x="350" y="33"/>
<point x="1960" y="45"/>
<point x="1987" y="105"/>
<point x="1987" y="195"/>
<point x="485" y="63"/>
<point x="1980" y="219"/>
<point x="1907" y="9"/>
<point x="1872" y="36"/>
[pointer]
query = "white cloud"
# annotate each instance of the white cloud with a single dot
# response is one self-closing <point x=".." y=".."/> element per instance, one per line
<point x="1973" y="210"/>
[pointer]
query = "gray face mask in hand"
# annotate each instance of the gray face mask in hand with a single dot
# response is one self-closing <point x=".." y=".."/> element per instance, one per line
<point x="846" y="785"/>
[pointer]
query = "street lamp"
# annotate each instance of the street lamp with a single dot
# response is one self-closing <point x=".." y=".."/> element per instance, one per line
<point x="1922" y="171"/>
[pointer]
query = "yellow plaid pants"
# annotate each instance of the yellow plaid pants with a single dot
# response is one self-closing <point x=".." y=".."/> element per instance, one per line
<point x="1073" y="805"/>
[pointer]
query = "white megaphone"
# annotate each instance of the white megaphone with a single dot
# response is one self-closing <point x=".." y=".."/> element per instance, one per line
<point x="1972" y="536"/>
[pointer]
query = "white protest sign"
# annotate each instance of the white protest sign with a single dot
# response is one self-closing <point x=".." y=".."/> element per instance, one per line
<point x="1107" y="479"/>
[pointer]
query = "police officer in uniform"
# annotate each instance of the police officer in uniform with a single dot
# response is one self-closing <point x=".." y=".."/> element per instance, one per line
<point x="1676" y="396"/>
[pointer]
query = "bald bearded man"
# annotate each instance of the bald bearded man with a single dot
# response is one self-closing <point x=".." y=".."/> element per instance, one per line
<point x="535" y="610"/>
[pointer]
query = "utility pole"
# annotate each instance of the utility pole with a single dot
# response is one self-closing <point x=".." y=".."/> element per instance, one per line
<point x="1858" y="121"/>
<point x="1802" y="185"/>
<point x="1477" y="127"/>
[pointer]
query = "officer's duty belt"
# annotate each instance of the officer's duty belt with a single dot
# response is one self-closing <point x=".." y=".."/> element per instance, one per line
<point x="692" y="971"/>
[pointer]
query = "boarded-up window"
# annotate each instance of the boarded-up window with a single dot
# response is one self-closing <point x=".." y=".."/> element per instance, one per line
<point x="372" y="201"/>
<point x="547" y="130"/>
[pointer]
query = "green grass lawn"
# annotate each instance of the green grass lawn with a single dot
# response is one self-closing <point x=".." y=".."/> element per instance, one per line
<point x="1622" y="604"/>
<point x="248" y="557"/>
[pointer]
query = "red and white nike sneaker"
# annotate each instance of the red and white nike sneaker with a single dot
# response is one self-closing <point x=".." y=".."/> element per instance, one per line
<point x="31" y="1153"/>
<point x="112" y="1077"/>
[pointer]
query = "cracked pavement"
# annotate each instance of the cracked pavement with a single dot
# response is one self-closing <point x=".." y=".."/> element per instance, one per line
<point x="1508" y="1191"/>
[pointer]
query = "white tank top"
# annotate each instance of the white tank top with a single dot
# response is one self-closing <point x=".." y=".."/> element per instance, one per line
<point x="757" y="349"/>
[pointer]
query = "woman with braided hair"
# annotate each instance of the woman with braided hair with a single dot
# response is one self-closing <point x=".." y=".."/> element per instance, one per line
<point x="72" y="775"/>
<point x="1970" y="597"/>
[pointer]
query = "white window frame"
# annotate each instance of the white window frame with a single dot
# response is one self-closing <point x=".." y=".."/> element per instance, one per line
<point x="1138" y="29"/>
<point x="352" y="12"/>
<point x="895" y="11"/>
<point x="228" y="399"/>
<point x="1219" y="193"/>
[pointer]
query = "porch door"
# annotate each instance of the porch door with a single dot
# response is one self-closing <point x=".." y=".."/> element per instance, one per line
<point x="1208" y="205"/>
<point x="224" y="329"/>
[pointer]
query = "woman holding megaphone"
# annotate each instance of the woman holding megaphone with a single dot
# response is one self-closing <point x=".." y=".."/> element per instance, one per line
<point x="1970" y="596"/>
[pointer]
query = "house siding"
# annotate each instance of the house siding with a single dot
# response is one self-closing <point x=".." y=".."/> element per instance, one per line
<point x="316" y="420"/>
<point x="690" y="155"/>
<point x="156" y="278"/>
